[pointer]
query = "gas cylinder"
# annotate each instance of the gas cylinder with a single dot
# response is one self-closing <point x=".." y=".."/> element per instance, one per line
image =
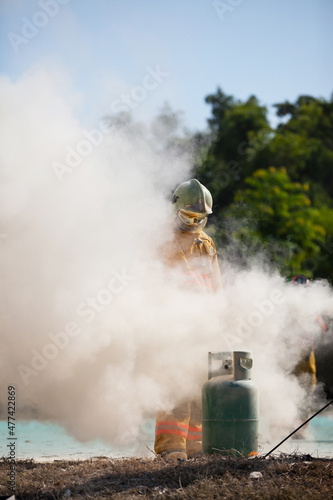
<point x="230" y="413"/>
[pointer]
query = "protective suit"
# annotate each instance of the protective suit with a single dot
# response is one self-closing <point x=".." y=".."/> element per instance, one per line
<point x="306" y="369"/>
<point x="307" y="362"/>
<point x="193" y="254"/>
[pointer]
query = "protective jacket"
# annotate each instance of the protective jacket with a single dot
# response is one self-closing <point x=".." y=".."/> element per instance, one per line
<point x="194" y="255"/>
<point x="307" y="363"/>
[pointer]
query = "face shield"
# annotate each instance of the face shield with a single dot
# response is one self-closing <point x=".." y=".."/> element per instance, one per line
<point x="192" y="221"/>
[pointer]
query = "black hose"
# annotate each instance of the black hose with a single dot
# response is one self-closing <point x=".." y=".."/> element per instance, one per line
<point x="298" y="428"/>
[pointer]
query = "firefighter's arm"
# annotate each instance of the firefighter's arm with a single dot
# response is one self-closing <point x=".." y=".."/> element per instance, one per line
<point x="216" y="273"/>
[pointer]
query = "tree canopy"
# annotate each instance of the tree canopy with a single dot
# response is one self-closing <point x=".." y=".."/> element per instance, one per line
<point x="272" y="188"/>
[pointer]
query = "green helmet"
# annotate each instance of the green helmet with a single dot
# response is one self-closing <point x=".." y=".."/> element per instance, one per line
<point x="194" y="197"/>
<point x="193" y="203"/>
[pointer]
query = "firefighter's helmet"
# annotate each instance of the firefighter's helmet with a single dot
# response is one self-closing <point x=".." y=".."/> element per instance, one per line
<point x="300" y="279"/>
<point x="193" y="203"/>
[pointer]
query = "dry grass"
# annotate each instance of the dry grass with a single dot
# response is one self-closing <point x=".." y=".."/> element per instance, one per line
<point x="286" y="477"/>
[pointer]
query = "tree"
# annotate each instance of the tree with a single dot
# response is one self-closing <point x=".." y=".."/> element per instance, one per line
<point x="322" y="266"/>
<point x="237" y="130"/>
<point x="304" y="145"/>
<point x="277" y="218"/>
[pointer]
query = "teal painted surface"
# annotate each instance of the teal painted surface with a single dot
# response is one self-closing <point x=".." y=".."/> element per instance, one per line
<point x="230" y="416"/>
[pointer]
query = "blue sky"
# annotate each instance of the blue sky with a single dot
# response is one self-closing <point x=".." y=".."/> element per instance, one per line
<point x="100" y="51"/>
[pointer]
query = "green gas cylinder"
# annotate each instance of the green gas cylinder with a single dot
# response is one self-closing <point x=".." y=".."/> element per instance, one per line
<point x="230" y="413"/>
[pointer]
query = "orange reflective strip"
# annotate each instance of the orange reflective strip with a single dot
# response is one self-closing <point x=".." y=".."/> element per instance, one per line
<point x="203" y="276"/>
<point x="171" y="427"/>
<point x="197" y="428"/>
<point x="171" y="431"/>
<point x="194" y="433"/>
<point x="202" y="280"/>
<point x="194" y="438"/>
<point x="208" y="280"/>
<point x="322" y="323"/>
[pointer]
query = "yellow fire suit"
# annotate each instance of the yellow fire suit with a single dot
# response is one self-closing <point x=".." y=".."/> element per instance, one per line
<point x="195" y="254"/>
<point x="307" y="363"/>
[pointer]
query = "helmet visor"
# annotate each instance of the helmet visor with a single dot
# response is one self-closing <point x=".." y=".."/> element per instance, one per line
<point x="192" y="218"/>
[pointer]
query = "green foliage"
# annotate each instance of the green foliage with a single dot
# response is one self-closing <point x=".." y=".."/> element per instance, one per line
<point x="238" y="130"/>
<point x="322" y="266"/>
<point x="287" y="210"/>
<point x="304" y="144"/>
<point x="281" y="216"/>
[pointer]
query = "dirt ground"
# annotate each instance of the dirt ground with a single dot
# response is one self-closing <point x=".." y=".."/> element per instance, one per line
<point x="279" y="477"/>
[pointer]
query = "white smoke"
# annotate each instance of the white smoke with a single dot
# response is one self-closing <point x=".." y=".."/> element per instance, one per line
<point x="95" y="334"/>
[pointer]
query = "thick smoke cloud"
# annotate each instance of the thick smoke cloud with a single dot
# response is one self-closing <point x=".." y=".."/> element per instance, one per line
<point x="95" y="333"/>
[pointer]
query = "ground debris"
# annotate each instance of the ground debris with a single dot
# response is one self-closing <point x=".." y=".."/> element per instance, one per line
<point x="210" y="476"/>
<point x="255" y="475"/>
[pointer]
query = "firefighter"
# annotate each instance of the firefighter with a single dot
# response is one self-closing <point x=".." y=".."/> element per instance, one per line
<point x="307" y="363"/>
<point x="192" y="252"/>
<point x="306" y="369"/>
